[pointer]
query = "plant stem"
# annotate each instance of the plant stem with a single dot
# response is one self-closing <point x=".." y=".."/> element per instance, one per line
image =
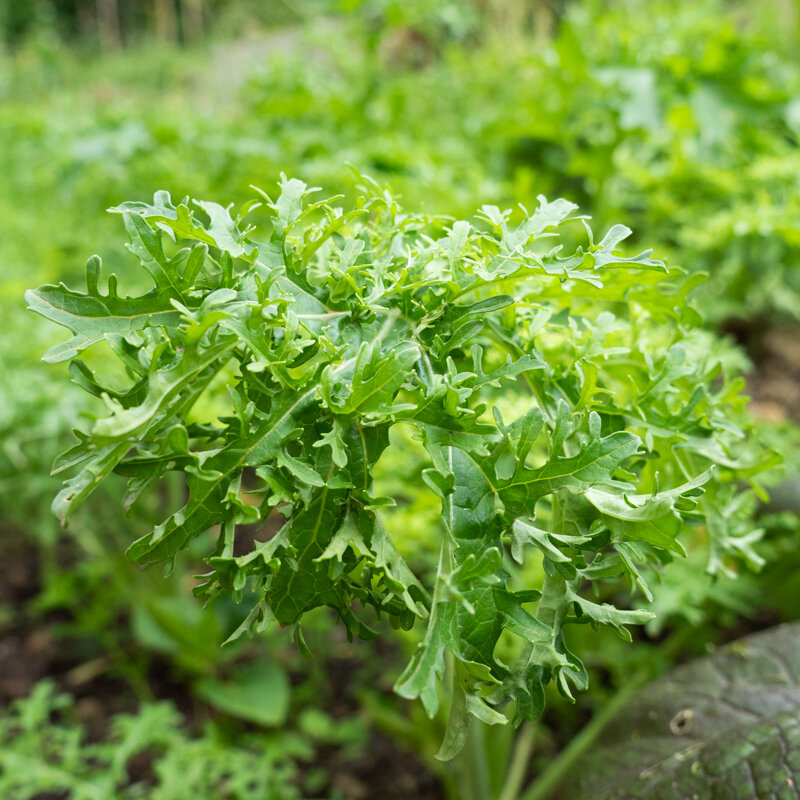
<point x="555" y="771"/>
<point x="478" y="769"/>
<point x="552" y="602"/>
<point x="523" y="748"/>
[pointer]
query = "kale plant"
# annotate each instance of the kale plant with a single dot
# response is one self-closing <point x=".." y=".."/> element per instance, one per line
<point x="573" y="417"/>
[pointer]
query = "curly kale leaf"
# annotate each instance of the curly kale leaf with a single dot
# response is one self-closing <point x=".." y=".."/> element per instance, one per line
<point x="270" y="368"/>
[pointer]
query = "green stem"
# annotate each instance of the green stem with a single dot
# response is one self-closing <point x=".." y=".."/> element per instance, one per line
<point x="557" y="769"/>
<point x="552" y="602"/>
<point x="478" y="768"/>
<point x="520" y="758"/>
<point x="515" y="353"/>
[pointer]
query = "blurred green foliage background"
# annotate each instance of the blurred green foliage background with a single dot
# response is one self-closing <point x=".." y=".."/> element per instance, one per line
<point x="680" y="119"/>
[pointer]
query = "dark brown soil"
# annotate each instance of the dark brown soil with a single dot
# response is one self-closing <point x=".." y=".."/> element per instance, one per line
<point x="27" y="652"/>
<point x="32" y="648"/>
<point x="383" y="770"/>
<point x="774" y="384"/>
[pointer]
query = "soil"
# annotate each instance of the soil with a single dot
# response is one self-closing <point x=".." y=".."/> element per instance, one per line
<point x="774" y="384"/>
<point x="32" y="648"/>
<point x="382" y="770"/>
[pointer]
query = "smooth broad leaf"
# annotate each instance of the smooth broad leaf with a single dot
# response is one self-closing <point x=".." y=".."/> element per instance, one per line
<point x="259" y="693"/>
<point x="727" y="726"/>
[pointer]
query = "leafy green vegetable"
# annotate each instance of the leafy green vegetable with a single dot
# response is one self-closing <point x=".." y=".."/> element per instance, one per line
<point x="342" y="323"/>
<point x="667" y="116"/>
<point x="44" y="751"/>
<point x="725" y="726"/>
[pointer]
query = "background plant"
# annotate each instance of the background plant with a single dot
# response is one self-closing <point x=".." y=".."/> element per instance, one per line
<point x="45" y="750"/>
